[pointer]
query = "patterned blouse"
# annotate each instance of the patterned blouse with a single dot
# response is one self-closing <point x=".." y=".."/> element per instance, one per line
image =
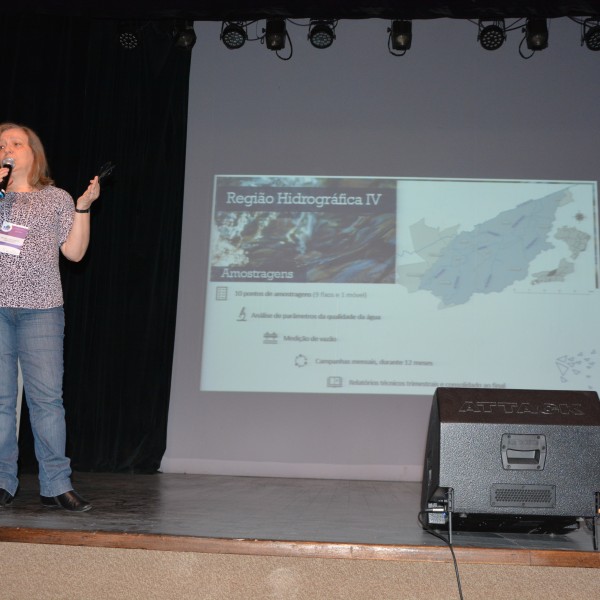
<point x="32" y="279"/>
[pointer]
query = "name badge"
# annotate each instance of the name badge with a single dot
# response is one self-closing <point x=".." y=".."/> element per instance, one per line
<point x="12" y="237"/>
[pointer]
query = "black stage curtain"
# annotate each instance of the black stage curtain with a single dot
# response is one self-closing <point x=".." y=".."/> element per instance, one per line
<point x="92" y="101"/>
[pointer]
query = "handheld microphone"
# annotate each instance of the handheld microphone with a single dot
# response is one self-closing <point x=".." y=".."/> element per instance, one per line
<point x="10" y="163"/>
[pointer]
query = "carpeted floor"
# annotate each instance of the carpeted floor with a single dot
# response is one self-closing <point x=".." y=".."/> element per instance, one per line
<point x="52" y="572"/>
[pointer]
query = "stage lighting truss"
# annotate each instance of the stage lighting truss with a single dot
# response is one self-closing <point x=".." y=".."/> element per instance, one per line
<point x="321" y="33"/>
<point x="400" y="37"/>
<point x="492" y="35"/>
<point x="233" y="34"/>
<point x="590" y="33"/>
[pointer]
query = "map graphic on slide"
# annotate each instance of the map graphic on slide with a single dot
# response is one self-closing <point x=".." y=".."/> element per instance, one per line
<point x="577" y="370"/>
<point x="493" y="255"/>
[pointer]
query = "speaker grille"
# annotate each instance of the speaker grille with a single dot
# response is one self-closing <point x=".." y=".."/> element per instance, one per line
<point x="523" y="496"/>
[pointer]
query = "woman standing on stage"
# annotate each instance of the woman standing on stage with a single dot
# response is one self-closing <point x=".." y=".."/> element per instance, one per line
<point x="37" y="220"/>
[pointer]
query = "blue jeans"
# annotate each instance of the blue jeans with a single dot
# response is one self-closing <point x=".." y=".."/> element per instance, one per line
<point x="35" y="338"/>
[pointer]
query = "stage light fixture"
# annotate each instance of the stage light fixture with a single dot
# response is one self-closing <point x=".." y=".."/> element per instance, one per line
<point x="233" y="35"/>
<point x="491" y="36"/>
<point x="400" y="38"/>
<point x="536" y="34"/>
<point x="275" y="34"/>
<point x="321" y="33"/>
<point x="591" y="34"/>
<point x="184" y="34"/>
<point x="129" y="36"/>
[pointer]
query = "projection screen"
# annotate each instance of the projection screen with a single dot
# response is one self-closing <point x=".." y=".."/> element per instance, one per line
<point x="361" y="228"/>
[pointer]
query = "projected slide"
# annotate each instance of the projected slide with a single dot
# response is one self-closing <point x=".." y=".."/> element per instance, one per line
<point x="394" y="285"/>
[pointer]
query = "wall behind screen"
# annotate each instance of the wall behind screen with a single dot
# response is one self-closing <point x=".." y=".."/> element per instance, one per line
<point x="447" y="108"/>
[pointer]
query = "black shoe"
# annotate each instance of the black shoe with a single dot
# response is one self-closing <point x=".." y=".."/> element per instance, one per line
<point x="5" y="497"/>
<point x="69" y="501"/>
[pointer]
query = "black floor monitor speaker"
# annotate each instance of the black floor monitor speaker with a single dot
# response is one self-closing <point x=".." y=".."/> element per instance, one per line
<point x="515" y="460"/>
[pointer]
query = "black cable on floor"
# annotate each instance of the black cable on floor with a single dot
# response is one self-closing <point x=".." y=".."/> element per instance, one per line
<point x="425" y="526"/>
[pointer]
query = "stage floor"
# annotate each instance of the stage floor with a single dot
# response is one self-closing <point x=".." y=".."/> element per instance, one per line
<point x="254" y="515"/>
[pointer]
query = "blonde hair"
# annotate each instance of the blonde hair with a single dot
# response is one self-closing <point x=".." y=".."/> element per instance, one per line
<point x="39" y="176"/>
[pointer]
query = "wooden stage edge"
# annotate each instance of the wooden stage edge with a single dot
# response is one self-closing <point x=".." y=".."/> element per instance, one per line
<point x="303" y="549"/>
